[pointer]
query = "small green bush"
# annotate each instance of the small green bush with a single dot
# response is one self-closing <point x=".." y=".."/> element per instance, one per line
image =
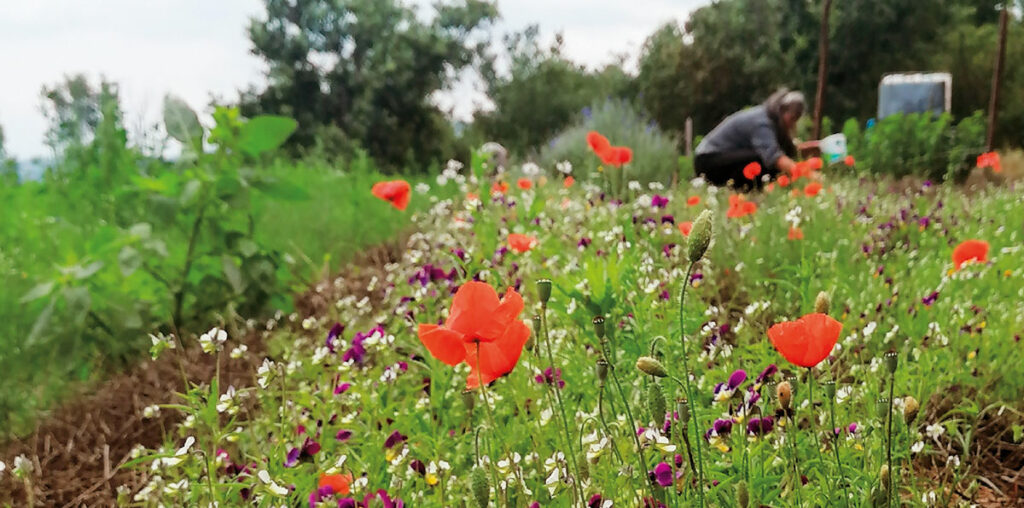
<point x="655" y="158"/>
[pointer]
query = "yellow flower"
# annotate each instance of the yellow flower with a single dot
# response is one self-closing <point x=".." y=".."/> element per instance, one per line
<point x="431" y="479"/>
<point x="971" y="355"/>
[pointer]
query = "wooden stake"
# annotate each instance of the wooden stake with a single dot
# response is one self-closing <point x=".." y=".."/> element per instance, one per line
<point x="688" y="134"/>
<point x="997" y="78"/>
<point x="819" y="97"/>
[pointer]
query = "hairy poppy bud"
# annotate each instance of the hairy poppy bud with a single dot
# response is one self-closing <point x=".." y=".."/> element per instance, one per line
<point x="599" y="326"/>
<point x="481" y="489"/>
<point x="822" y="303"/>
<point x="883" y="477"/>
<point x="584" y="465"/>
<point x="656" y="403"/>
<point x="469" y="399"/>
<point x="536" y="324"/>
<point x="602" y="370"/>
<point x="910" y="407"/>
<point x="742" y="495"/>
<point x="544" y="290"/>
<point x="891" y="360"/>
<point x="700" y="237"/>
<point x="651" y="365"/>
<point x="784" y="392"/>
<point x="830" y="389"/>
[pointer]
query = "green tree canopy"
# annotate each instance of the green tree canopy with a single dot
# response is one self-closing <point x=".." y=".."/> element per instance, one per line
<point x="365" y="70"/>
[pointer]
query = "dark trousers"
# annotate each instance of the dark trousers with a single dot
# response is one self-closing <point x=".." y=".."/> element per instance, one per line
<point x="726" y="168"/>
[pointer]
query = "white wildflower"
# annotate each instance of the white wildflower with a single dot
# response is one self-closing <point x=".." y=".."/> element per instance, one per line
<point x="935" y="430"/>
<point x="213" y="340"/>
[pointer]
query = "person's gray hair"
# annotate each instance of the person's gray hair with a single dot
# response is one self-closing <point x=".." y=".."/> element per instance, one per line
<point x="785" y="100"/>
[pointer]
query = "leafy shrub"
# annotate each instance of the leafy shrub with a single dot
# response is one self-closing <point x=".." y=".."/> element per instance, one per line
<point x="917" y="144"/>
<point x="655" y="158"/>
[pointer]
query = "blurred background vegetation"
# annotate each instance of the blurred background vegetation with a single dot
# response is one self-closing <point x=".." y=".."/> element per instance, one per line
<point x="118" y="238"/>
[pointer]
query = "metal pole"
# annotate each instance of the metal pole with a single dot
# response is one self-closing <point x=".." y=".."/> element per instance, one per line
<point x="997" y="78"/>
<point x="819" y="97"/>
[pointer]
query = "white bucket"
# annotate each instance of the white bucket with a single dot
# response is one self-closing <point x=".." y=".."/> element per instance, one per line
<point x="833" y="148"/>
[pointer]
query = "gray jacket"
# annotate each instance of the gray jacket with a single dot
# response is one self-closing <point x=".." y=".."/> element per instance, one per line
<point x="750" y="129"/>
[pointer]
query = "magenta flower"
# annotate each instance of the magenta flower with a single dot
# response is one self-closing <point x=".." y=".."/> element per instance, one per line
<point x="662" y="474"/>
<point x="395" y="438"/>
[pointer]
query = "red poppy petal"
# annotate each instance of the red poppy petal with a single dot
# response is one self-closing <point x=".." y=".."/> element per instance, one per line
<point x="822" y="334"/>
<point x="506" y="312"/>
<point x="443" y="344"/>
<point x="495" y="358"/>
<point x="472" y="307"/>
<point x="789" y="338"/>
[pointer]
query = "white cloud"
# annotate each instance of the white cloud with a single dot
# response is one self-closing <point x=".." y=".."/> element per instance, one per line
<point x="199" y="49"/>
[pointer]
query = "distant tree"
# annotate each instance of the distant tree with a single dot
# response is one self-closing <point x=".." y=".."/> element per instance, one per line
<point x="74" y="109"/>
<point x="363" y="71"/>
<point x="542" y="91"/>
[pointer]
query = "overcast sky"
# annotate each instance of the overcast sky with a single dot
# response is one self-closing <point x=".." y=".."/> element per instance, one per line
<point x="198" y="49"/>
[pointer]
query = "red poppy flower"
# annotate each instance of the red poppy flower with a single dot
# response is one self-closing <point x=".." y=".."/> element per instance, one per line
<point x="990" y="160"/>
<point x="693" y="201"/>
<point x="521" y="243"/>
<point x="849" y="160"/>
<point x="499" y="188"/>
<point x="339" y="483"/>
<point x="970" y="251"/>
<point x="815" y="163"/>
<point x="806" y="341"/>
<point x="524" y="183"/>
<point x="812" y="189"/>
<point x="740" y="207"/>
<point x="598" y="143"/>
<point x="750" y="171"/>
<point x="685" y="228"/>
<point x="795" y="233"/>
<point x="569" y="180"/>
<point x="770" y="187"/>
<point x="616" y="156"/>
<point x="783" y="181"/>
<point x="395" y="192"/>
<point x="481" y="331"/>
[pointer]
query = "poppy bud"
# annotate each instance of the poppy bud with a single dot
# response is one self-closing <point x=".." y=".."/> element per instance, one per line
<point x="883" y="477"/>
<point x="481" y="489"/>
<point x="891" y="360"/>
<point x="536" y="324"/>
<point x="822" y="303"/>
<point x="544" y="290"/>
<point x="602" y="370"/>
<point x="599" y="326"/>
<point x="530" y="343"/>
<point x="784" y="392"/>
<point x="584" y="465"/>
<point x="830" y="389"/>
<point x="683" y="408"/>
<point x="700" y="237"/>
<point x="469" y="399"/>
<point x="656" y="403"/>
<point x="910" y="407"/>
<point x="650" y="365"/>
<point x="742" y="495"/>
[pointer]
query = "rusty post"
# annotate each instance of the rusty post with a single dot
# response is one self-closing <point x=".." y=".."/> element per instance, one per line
<point x="819" y="96"/>
<point x="997" y="78"/>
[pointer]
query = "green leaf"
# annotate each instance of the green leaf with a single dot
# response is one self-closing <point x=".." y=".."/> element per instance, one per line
<point x="41" y="324"/>
<point x="129" y="260"/>
<point x="84" y="272"/>
<point x="1018" y="432"/>
<point x="233" y="274"/>
<point x="38" y="292"/>
<point x="265" y="132"/>
<point x="181" y="121"/>
<point x="285" y="191"/>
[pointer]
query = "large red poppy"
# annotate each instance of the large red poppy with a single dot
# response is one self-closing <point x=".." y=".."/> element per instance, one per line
<point x="740" y="207"/>
<point x="990" y="160"/>
<point x="481" y="331"/>
<point x="970" y="250"/>
<point x="812" y="189"/>
<point x="395" y="192"/>
<point x="693" y="201"/>
<point x="783" y="181"/>
<point x="521" y="243"/>
<point x="339" y="483"/>
<point x="795" y="233"/>
<point x="806" y="341"/>
<point x="598" y="143"/>
<point x="524" y="183"/>
<point x="685" y="227"/>
<point x="750" y="171"/>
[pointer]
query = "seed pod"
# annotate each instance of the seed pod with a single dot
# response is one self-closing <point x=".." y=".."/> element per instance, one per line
<point x="700" y="237"/>
<point x="683" y="408"/>
<point x="599" y="326"/>
<point x="891" y="360"/>
<point x="656" y="403"/>
<point x="650" y="365"/>
<point x="822" y="303"/>
<point x="784" y="392"/>
<point x="742" y="495"/>
<point x="544" y="290"/>
<point x="481" y="489"/>
<point x="536" y="324"/>
<point x="910" y="408"/>
<point x="882" y="408"/>
<point x="602" y="370"/>
<point x="830" y="389"/>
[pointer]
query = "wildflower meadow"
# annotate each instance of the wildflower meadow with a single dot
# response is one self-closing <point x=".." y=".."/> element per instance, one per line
<point x="830" y="341"/>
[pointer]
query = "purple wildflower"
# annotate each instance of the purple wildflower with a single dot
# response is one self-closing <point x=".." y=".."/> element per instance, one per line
<point x="737" y="378"/>
<point x="930" y="299"/>
<point x="319" y="495"/>
<point x="662" y="474"/>
<point x="760" y="426"/>
<point x="343" y="435"/>
<point x="333" y="335"/>
<point x="342" y="388"/>
<point x="659" y="201"/>
<point x="768" y="371"/>
<point x="395" y="438"/>
<point x="551" y="376"/>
